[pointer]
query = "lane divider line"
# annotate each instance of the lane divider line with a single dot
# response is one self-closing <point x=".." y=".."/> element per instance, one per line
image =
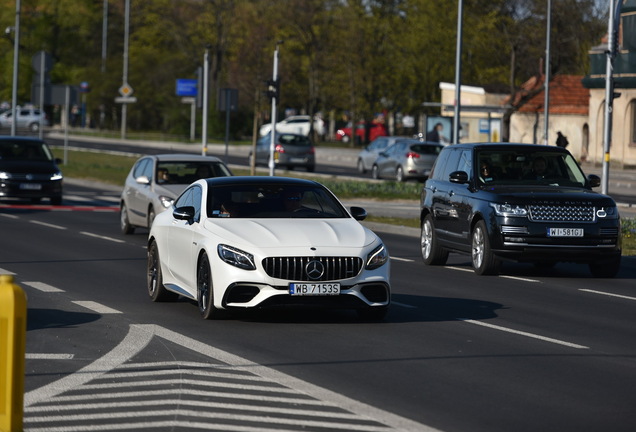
<point x="522" y="333"/>
<point x="97" y="307"/>
<point x="608" y="294"/>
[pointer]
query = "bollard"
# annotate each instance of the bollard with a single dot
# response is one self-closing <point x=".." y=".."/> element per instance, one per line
<point x="12" y="353"/>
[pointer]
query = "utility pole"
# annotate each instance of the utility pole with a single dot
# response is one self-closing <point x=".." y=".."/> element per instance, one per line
<point x="612" y="45"/>
<point x="458" y="72"/>
<point x="16" y="50"/>
<point x="546" y="84"/>
<point x="272" y="142"/>
<point x="124" y="106"/>
<point x="204" y="120"/>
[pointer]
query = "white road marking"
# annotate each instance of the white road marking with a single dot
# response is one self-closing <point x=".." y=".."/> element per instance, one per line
<point x="41" y="356"/>
<point x="519" y="278"/>
<point x="403" y="305"/>
<point x="47" y="225"/>
<point x="40" y="286"/>
<point x="102" y="237"/>
<point x="6" y="272"/>
<point x="9" y="216"/>
<point x="401" y="259"/>
<point x="608" y="294"/>
<point x="298" y="397"/>
<point x="96" y="307"/>
<point x="522" y="333"/>
<point x="464" y="269"/>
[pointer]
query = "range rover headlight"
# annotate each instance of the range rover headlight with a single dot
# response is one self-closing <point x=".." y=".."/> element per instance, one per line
<point x="510" y="210"/>
<point x="607" y="212"/>
<point x="56" y="176"/>
<point x="236" y="257"/>
<point x="377" y="258"/>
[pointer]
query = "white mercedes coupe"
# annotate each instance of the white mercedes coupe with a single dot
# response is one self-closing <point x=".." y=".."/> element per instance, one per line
<point x="266" y="242"/>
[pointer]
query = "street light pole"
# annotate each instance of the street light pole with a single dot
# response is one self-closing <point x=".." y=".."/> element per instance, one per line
<point x="204" y="120"/>
<point x="458" y="71"/>
<point x="16" y="49"/>
<point x="546" y="84"/>
<point x="272" y="141"/>
<point x="124" y="106"/>
<point x="614" y="15"/>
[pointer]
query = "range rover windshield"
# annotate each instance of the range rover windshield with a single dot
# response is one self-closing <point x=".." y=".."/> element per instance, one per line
<point x="528" y="167"/>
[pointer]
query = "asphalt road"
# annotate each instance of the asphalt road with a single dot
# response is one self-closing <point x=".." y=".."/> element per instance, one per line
<point x="532" y="349"/>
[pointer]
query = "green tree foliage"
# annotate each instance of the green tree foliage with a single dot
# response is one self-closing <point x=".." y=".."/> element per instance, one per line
<point x="359" y="57"/>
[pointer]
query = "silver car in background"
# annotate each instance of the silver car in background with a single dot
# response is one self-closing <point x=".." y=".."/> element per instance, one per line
<point x="28" y="118"/>
<point x="406" y="159"/>
<point x="155" y="181"/>
<point x="369" y="154"/>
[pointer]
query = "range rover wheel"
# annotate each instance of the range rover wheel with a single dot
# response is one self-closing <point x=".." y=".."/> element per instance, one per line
<point x="431" y="252"/>
<point x="484" y="261"/>
<point x="606" y="268"/>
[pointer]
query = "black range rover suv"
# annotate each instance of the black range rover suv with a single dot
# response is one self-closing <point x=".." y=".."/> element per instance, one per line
<point x="520" y="202"/>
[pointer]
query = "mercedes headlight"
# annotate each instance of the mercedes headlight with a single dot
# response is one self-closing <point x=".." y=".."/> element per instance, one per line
<point x="236" y="257"/>
<point x="377" y="258"/>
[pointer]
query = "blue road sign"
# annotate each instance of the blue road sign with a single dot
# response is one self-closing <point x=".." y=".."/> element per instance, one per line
<point x="186" y="87"/>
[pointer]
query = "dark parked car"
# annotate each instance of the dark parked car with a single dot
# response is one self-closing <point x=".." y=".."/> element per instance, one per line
<point x="520" y="202"/>
<point x="290" y="151"/>
<point x="28" y="170"/>
<point x="406" y="159"/>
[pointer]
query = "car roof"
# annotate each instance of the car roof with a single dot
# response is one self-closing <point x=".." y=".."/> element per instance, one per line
<point x="259" y="180"/>
<point x="183" y="157"/>
<point x="510" y="146"/>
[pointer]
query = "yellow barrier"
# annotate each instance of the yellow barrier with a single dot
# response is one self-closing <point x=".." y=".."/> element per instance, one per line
<point x="13" y="312"/>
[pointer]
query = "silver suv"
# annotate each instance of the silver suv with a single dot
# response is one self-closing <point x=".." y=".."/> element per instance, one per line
<point x="28" y="118"/>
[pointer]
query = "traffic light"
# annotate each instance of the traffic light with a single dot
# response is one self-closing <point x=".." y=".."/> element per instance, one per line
<point x="273" y="87"/>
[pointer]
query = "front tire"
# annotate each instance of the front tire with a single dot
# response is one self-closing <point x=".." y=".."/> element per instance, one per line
<point x="483" y="260"/>
<point x="154" y="279"/>
<point x="375" y="172"/>
<point x="124" y="223"/>
<point x="361" y="168"/>
<point x="431" y="252"/>
<point x="205" y="292"/>
<point x="606" y="269"/>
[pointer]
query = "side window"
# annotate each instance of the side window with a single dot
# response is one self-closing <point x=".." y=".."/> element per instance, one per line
<point x="452" y="163"/>
<point x="196" y="202"/>
<point x="440" y="162"/>
<point x="185" y="199"/>
<point x="140" y="168"/>
<point x="466" y="162"/>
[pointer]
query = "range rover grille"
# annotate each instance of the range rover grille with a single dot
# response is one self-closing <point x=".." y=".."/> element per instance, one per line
<point x="561" y="213"/>
<point x="295" y="268"/>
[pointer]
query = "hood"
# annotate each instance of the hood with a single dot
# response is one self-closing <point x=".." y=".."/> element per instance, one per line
<point x="264" y="233"/>
<point x="28" y="167"/>
<point x="546" y="193"/>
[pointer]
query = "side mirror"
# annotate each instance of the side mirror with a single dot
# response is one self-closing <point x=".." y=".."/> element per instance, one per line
<point x="594" y="180"/>
<point x="144" y="180"/>
<point x="460" y="177"/>
<point x="358" y="213"/>
<point x="184" y="213"/>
